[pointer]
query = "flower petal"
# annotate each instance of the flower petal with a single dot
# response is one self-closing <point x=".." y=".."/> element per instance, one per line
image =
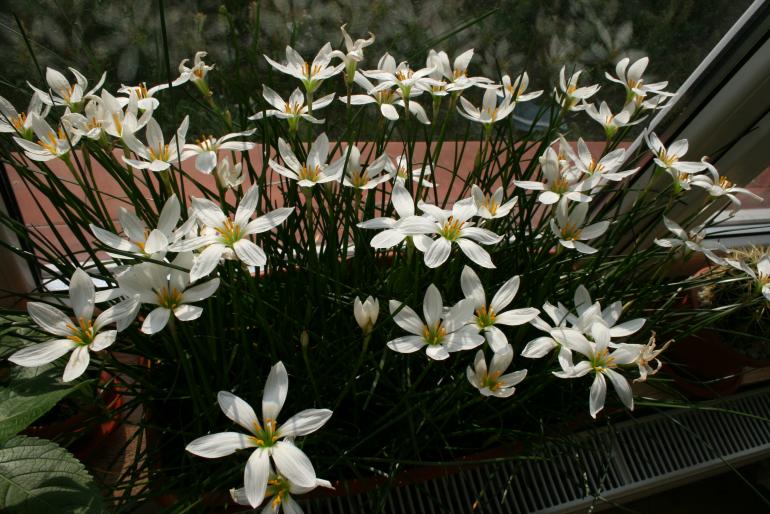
<point x="219" y="445"/>
<point x="82" y="294"/>
<point x="156" y="320"/>
<point x="256" y="475"/>
<point x="505" y="294"/>
<point x="305" y="422"/>
<point x="42" y="353"/>
<point x="250" y="253"/>
<point x="238" y="410"/>
<point x="103" y="340"/>
<point x="406" y="318"/>
<point x="49" y="318"/>
<point x="77" y="364"/>
<point x="598" y="394"/>
<point x="292" y="463"/>
<point x="276" y="388"/>
<point x="406" y="344"/>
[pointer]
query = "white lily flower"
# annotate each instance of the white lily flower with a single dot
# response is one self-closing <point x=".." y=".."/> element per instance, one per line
<point x="139" y="239"/>
<point x="490" y="112"/>
<point x="569" y="227"/>
<point x="441" y="333"/>
<point x="630" y="77"/>
<point x="280" y="489"/>
<point x="118" y="118"/>
<point x="456" y="75"/>
<point x="601" y="362"/>
<point x="88" y="124"/>
<point x="228" y="237"/>
<point x="230" y="176"/>
<point x="386" y="99"/>
<point x="392" y="235"/>
<point x="315" y="170"/>
<point x="721" y="186"/>
<point x="606" y="169"/>
<point x="418" y="174"/>
<point x="270" y="440"/>
<point x="612" y="122"/>
<point x="692" y="241"/>
<point x="451" y="227"/>
<point x="492" y="207"/>
<point x="572" y="97"/>
<point x="543" y="345"/>
<point x="196" y="74"/>
<point x="354" y="53"/>
<point x="558" y="181"/>
<point x="293" y="110"/>
<point x="761" y="277"/>
<point x="404" y="78"/>
<point x="145" y="99"/>
<point x="366" y="313"/>
<point x="206" y="148"/>
<point x="61" y="92"/>
<point x="516" y="90"/>
<point x="645" y="356"/>
<point x="157" y="155"/>
<point x="364" y="177"/>
<point x="50" y="144"/>
<point x="78" y="337"/>
<point x="589" y="312"/>
<point x="167" y="288"/>
<point x="20" y="123"/>
<point x="488" y="315"/>
<point x="669" y="159"/>
<point x="492" y="381"/>
<point x="311" y="75"/>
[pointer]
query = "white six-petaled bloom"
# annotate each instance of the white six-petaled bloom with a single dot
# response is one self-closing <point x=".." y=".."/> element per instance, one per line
<point x="366" y="313"/>
<point x="419" y="174"/>
<point x="205" y="150"/>
<point x="145" y="97"/>
<point x="692" y="241"/>
<point x="450" y="227"/>
<point x="600" y="361"/>
<point x="292" y="110"/>
<point x="670" y="158"/>
<point x="364" y="177"/>
<point x="721" y="186"/>
<point x="441" y="333"/>
<point x="490" y="111"/>
<point x="80" y="337"/>
<point x="631" y="78"/>
<point x="50" y="144"/>
<point x="195" y="74"/>
<point x="311" y="75"/>
<point x="570" y="95"/>
<point x="228" y="237"/>
<point x="486" y="316"/>
<point x="386" y="99"/>
<point x="609" y="121"/>
<point x="516" y="90"/>
<point x="167" y="288"/>
<point x="20" y="122"/>
<point x="156" y="155"/>
<point x="404" y="78"/>
<point x="62" y="92"/>
<point x="278" y="492"/>
<point x="645" y="356"/>
<point x="392" y="235"/>
<point x="269" y="439"/>
<point x="315" y="170"/>
<point x="229" y="175"/>
<point x="354" y="53"/>
<point x="491" y="381"/>
<point x="558" y="181"/>
<point x="569" y="227"/>
<point x="762" y="275"/>
<point x="601" y="171"/>
<point x="491" y="206"/>
<point x="456" y="75"/>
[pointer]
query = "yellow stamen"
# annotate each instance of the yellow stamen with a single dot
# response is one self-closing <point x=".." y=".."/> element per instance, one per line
<point x="451" y="229"/>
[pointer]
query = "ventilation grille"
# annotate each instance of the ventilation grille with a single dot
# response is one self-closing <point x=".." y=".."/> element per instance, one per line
<point x="635" y="456"/>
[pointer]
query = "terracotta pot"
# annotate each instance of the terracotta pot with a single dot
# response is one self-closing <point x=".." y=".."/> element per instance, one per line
<point x="110" y="398"/>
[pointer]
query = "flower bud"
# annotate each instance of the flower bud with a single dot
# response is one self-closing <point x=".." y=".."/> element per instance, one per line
<point x="366" y="313"/>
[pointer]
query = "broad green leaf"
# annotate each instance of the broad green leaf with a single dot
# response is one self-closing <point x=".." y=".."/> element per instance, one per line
<point x="38" y="476"/>
<point x="29" y="397"/>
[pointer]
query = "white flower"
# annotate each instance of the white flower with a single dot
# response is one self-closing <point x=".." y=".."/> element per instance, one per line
<point x="569" y="227"/>
<point x="196" y="74"/>
<point x="293" y="110"/>
<point x="557" y="182"/>
<point x="392" y="235"/>
<point x="491" y="207"/>
<point x="515" y="90"/>
<point x="402" y="77"/>
<point x="418" y="174"/>
<point x="315" y="170"/>
<point x="492" y="382"/>
<point x="61" y="92"/>
<point x="269" y="439"/>
<point x="79" y="337"/>
<point x="489" y="315"/>
<point x="169" y="289"/>
<point x="354" y="53"/>
<point x="280" y="489"/>
<point x="145" y="99"/>
<point x="205" y="149"/>
<point x="311" y="75"/>
<point x="631" y="78"/>
<point x="451" y="227"/>
<point x="600" y="361"/>
<point x="669" y="159"/>
<point x="761" y="276"/>
<point x="366" y="313"/>
<point x="543" y="345"/>
<point x="643" y="355"/>
<point x="118" y="118"/>
<point x="612" y="122"/>
<point x="228" y="237"/>
<point x="456" y="75"/>
<point x="572" y="97"/>
<point x="157" y="155"/>
<point x="364" y="177"/>
<point x="139" y="239"/>
<point x="228" y="175"/>
<point x="50" y="144"/>
<point x="89" y="123"/>
<point x="692" y="241"/>
<point x="606" y="169"/>
<point x="720" y="186"/>
<point x="490" y="111"/>
<point x="386" y="99"/>
<point x="440" y="333"/>
<point x="21" y="122"/>
<point x="589" y="312"/>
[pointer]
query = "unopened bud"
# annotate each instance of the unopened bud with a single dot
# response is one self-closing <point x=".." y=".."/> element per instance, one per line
<point x="366" y="313"/>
